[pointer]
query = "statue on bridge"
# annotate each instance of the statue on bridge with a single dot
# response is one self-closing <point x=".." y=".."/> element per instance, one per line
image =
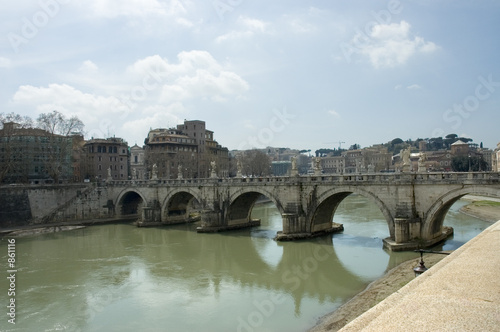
<point x="179" y="172"/>
<point x="317" y="165"/>
<point x="294" y="171"/>
<point x="421" y="162"/>
<point x="110" y="177"/>
<point x="405" y="155"/>
<point x="154" y="172"/>
<point x="239" y="168"/>
<point x="213" y="166"/>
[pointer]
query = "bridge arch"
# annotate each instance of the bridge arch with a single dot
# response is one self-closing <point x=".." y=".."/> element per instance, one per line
<point x="434" y="217"/>
<point x="327" y="203"/>
<point x="242" y="201"/>
<point x="178" y="205"/>
<point x="130" y="202"/>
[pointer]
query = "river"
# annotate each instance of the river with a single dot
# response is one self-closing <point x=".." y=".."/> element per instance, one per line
<point x="121" y="278"/>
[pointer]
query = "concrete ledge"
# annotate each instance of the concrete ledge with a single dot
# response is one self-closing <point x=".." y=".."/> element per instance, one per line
<point x="300" y="236"/>
<point x="394" y="246"/>
<point x="251" y="223"/>
<point x="460" y="293"/>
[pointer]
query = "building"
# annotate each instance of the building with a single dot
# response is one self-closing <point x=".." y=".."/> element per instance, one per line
<point x="496" y="159"/>
<point x="375" y="158"/>
<point x="138" y="163"/>
<point x="104" y="158"/>
<point x="32" y="155"/>
<point x="281" y="168"/>
<point x="186" y="151"/>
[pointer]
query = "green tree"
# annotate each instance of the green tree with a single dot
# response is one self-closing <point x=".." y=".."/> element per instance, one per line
<point x="466" y="164"/>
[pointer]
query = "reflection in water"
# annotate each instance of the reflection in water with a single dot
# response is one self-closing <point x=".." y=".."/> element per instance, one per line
<point x="123" y="278"/>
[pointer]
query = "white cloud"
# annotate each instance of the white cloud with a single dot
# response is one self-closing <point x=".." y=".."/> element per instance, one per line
<point x="157" y="116"/>
<point x="334" y="113"/>
<point x="135" y="8"/>
<point x="88" y="67"/>
<point x="391" y="45"/>
<point x="5" y="63"/>
<point x="249" y="27"/>
<point x="300" y="26"/>
<point x="414" y="87"/>
<point x="66" y="99"/>
<point x="150" y="89"/>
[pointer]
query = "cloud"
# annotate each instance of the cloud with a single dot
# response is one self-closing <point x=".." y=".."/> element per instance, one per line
<point x="334" y="113"/>
<point x="88" y="67"/>
<point x="391" y="45"/>
<point x="70" y="101"/>
<point x="414" y="87"/>
<point x="248" y="27"/>
<point x="5" y="63"/>
<point x="135" y="8"/>
<point x="147" y="92"/>
<point x="157" y="116"/>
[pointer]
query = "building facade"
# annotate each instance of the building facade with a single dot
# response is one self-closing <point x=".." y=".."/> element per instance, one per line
<point x="187" y="151"/>
<point x="32" y="155"/>
<point x="105" y="158"/>
<point x="138" y="163"/>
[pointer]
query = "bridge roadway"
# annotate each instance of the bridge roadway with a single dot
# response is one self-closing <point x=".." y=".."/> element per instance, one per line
<point x="414" y="204"/>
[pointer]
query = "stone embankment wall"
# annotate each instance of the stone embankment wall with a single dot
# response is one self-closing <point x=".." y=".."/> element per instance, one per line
<point x="27" y="205"/>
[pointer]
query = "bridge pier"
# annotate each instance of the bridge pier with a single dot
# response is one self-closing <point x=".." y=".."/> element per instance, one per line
<point x="215" y="221"/>
<point x="295" y="228"/>
<point x="407" y="235"/>
<point x="150" y="215"/>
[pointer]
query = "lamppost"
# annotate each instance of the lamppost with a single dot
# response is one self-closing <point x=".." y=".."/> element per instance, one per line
<point x="421" y="267"/>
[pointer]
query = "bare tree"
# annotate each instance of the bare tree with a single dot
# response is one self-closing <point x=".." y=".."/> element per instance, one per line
<point x="255" y="163"/>
<point x="58" y="142"/>
<point x="21" y="121"/>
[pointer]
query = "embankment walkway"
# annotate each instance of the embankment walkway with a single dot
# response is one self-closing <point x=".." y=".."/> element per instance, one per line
<point x="460" y="293"/>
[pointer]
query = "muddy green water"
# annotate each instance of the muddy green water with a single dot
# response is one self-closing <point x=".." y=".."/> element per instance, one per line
<point x="123" y="278"/>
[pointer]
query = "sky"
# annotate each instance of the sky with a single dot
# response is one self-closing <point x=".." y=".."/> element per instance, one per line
<point x="298" y="74"/>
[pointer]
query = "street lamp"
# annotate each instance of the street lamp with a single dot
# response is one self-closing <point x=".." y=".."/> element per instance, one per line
<point x="421" y="267"/>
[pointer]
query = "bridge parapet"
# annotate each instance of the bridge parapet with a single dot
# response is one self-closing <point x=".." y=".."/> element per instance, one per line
<point x="372" y="178"/>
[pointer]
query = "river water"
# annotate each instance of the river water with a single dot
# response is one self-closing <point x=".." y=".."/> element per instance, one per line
<point x="122" y="278"/>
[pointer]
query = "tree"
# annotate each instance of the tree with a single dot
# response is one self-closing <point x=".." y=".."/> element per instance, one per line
<point x="354" y="147"/>
<point x="58" y="142"/>
<point x="255" y="163"/>
<point x="22" y="121"/>
<point x="468" y="163"/>
<point x="323" y="152"/>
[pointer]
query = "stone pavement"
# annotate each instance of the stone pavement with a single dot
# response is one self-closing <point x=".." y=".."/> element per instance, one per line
<point x="460" y="293"/>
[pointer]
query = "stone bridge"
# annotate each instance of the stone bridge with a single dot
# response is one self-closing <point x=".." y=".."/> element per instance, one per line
<point x="414" y="204"/>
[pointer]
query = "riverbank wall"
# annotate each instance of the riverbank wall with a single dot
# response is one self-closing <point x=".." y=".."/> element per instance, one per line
<point x="460" y="293"/>
<point x="38" y="204"/>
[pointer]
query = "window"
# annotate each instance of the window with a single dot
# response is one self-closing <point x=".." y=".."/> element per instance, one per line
<point x="135" y="159"/>
<point x="99" y="167"/>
